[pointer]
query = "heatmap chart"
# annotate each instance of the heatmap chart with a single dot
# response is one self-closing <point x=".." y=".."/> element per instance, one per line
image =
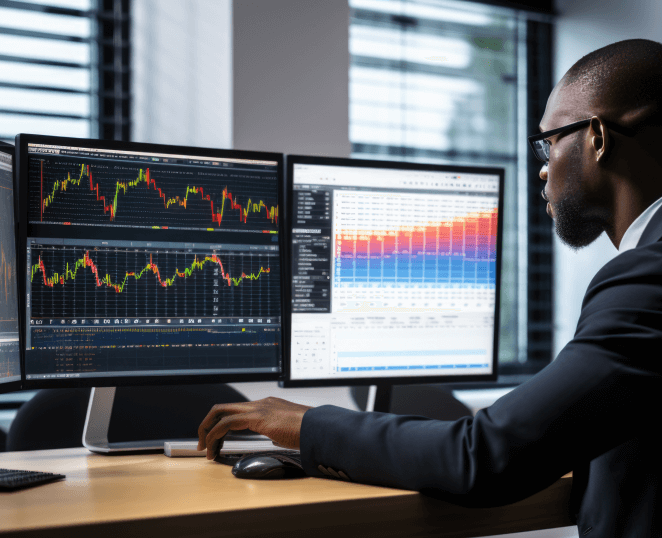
<point x="394" y="239"/>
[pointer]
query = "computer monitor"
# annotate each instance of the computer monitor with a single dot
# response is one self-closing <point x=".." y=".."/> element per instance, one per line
<point x="148" y="263"/>
<point x="394" y="272"/>
<point x="10" y="360"/>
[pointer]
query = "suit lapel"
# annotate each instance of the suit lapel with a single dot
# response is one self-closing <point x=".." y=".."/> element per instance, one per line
<point x="653" y="231"/>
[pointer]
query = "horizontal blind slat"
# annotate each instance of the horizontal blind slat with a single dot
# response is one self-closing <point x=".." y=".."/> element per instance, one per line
<point x="39" y="61"/>
<point x="42" y="88"/>
<point x="43" y="35"/>
<point x="44" y="8"/>
<point x="44" y="114"/>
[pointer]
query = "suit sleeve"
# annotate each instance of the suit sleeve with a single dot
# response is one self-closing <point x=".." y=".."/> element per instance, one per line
<point x="594" y="396"/>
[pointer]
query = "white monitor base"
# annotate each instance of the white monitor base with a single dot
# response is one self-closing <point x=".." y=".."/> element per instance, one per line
<point x="97" y="421"/>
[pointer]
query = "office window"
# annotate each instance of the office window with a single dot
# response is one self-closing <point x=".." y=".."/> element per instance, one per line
<point x="453" y="82"/>
<point x="63" y="68"/>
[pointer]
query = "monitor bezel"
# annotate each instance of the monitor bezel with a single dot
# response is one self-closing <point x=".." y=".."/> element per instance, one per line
<point x="12" y="386"/>
<point x="291" y="160"/>
<point x="21" y="170"/>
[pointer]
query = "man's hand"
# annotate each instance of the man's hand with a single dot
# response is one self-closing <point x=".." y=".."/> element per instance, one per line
<point x="278" y="419"/>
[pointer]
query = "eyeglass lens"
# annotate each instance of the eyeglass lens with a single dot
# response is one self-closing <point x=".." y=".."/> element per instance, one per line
<point x="542" y="150"/>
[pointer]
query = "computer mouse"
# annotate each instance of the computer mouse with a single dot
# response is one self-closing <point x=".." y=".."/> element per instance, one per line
<point x="269" y="465"/>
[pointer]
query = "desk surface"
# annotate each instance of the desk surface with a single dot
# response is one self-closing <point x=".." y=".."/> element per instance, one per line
<point x="139" y="495"/>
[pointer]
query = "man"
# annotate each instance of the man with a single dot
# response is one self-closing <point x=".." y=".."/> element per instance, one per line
<point x="593" y="410"/>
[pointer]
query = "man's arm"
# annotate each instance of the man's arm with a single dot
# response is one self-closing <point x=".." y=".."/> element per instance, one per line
<point x="587" y="401"/>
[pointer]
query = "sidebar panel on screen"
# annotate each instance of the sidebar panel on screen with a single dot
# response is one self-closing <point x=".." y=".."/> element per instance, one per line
<point x="151" y="263"/>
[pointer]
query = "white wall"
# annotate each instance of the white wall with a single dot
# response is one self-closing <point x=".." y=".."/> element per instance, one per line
<point x="584" y="26"/>
<point x="291" y="76"/>
<point x="268" y="75"/>
<point x="182" y="72"/>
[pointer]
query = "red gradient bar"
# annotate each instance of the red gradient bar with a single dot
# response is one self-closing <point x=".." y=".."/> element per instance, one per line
<point x="484" y="234"/>
<point x="431" y="236"/>
<point x="375" y="246"/>
<point x="347" y="246"/>
<point x="457" y="237"/>
<point x="493" y="232"/>
<point x="403" y="241"/>
<point x="362" y="245"/>
<point x="444" y="239"/>
<point x="389" y="245"/>
<point x="418" y="240"/>
<point x="473" y="234"/>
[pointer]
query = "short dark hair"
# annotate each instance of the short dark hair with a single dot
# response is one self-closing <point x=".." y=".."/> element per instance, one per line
<point x="634" y="64"/>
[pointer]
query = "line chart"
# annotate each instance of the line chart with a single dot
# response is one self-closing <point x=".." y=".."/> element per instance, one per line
<point x="86" y="261"/>
<point x="113" y="282"/>
<point x="156" y="196"/>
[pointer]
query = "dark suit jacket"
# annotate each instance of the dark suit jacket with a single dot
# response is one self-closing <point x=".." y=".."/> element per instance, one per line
<point x="593" y="411"/>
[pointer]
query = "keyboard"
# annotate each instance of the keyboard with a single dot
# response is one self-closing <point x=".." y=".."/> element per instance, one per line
<point x="175" y="449"/>
<point x="11" y="479"/>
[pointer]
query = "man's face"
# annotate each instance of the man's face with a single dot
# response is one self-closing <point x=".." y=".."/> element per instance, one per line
<point x="572" y="180"/>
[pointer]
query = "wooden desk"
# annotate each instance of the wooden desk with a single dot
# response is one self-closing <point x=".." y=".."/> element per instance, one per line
<point x="152" y="495"/>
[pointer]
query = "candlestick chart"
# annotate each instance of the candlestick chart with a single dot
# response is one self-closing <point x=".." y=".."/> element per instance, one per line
<point x="383" y="239"/>
<point x="8" y="293"/>
<point x="112" y="282"/>
<point x="69" y="191"/>
<point x="10" y="366"/>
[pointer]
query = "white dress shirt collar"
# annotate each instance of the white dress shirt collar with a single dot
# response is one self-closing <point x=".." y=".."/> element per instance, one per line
<point x="633" y="233"/>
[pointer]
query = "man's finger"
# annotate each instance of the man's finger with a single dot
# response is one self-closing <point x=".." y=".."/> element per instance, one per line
<point x="215" y="414"/>
<point x="215" y="448"/>
<point x="213" y="441"/>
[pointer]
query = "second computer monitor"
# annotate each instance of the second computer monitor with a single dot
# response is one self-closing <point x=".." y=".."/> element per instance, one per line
<point x="394" y="272"/>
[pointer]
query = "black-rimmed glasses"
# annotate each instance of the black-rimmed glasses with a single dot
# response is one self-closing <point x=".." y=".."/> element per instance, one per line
<point x="540" y="145"/>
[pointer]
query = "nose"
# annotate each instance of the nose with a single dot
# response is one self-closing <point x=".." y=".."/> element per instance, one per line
<point x="543" y="172"/>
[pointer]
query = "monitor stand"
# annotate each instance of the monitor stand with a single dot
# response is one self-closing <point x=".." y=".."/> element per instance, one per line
<point x="379" y="398"/>
<point x="97" y="422"/>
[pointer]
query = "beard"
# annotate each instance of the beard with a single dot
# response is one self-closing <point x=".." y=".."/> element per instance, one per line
<point x="574" y="226"/>
<point x="577" y="221"/>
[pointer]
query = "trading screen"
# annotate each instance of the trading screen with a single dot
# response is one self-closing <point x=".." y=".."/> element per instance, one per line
<point x="145" y="263"/>
<point x="10" y="365"/>
<point x="393" y="272"/>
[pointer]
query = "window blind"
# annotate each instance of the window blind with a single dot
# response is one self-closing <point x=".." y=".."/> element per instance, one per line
<point x="45" y="68"/>
<point x="60" y="65"/>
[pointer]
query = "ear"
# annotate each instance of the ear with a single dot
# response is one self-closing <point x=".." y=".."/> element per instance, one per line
<point x="599" y="138"/>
